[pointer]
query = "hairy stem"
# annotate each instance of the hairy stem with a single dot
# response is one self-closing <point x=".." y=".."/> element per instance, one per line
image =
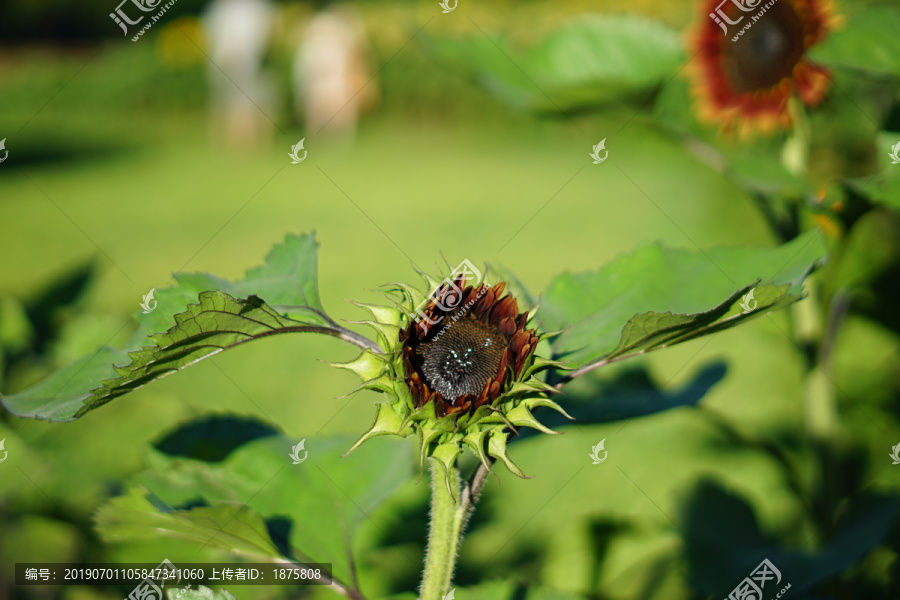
<point x="449" y="513"/>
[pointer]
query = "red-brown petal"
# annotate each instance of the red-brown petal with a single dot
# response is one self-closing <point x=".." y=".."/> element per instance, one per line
<point x="506" y="308"/>
<point x="457" y="409"/>
<point x="464" y="399"/>
<point x="518" y="340"/>
<point x="492" y="391"/>
<point x="418" y="391"/>
<point x="484" y="394"/>
<point x="520" y="358"/>
<point x="523" y="321"/>
<point x="505" y="360"/>
<point x="467" y="296"/>
<point x="507" y="326"/>
<point x="484" y="303"/>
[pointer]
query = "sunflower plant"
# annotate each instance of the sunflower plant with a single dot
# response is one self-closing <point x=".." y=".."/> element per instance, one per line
<point x="796" y="105"/>
<point x="460" y="363"/>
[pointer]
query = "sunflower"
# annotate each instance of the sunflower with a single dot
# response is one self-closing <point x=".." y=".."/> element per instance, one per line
<point x="467" y="347"/>
<point x="458" y="369"/>
<point x="753" y="59"/>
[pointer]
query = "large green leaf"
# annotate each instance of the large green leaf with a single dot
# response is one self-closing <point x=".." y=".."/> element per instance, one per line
<point x="228" y="526"/>
<point x="656" y="296"/>
<point x="287" y="282"/>
<point x="61" y="395"/>
<point x="216" y="323"/>
<point x="593" y="60"/>
<point x="219" y="321"/>
<point x="311" y="509"/>
<point x="867" y="41"/>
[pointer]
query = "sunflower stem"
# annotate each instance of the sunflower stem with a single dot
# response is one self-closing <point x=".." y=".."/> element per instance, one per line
<point x="449" y="512"/>
<point x="795" y="153"/>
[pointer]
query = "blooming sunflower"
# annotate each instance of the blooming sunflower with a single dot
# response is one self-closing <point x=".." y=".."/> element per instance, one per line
<point x="752" y="60"/>
<point x="458" y="368"/>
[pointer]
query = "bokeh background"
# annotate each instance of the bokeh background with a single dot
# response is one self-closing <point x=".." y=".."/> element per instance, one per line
<point x="120" y="173"/>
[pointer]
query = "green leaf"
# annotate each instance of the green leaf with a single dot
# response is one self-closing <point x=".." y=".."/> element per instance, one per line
<point x="656" y="296"/>
<point x="593" y="60"/>
<point x="64" y="392"/>
<point x="230" y="526"/>
<point x="217" y="322"/>
<point x="312" y="508"/>
<point x="287" y="282"/>
<point x="867" y="41"/>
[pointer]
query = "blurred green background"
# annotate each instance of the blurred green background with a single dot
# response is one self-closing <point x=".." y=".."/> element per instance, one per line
<point x="116" y="179"/>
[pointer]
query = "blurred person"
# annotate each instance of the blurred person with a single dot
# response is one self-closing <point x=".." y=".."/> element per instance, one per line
<point x="237" y="33"/>
<point x="331" y="81"/>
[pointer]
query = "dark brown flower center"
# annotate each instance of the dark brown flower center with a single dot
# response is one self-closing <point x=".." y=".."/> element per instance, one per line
<point x="767" y="52"/>
<point x="462" y="358"/>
